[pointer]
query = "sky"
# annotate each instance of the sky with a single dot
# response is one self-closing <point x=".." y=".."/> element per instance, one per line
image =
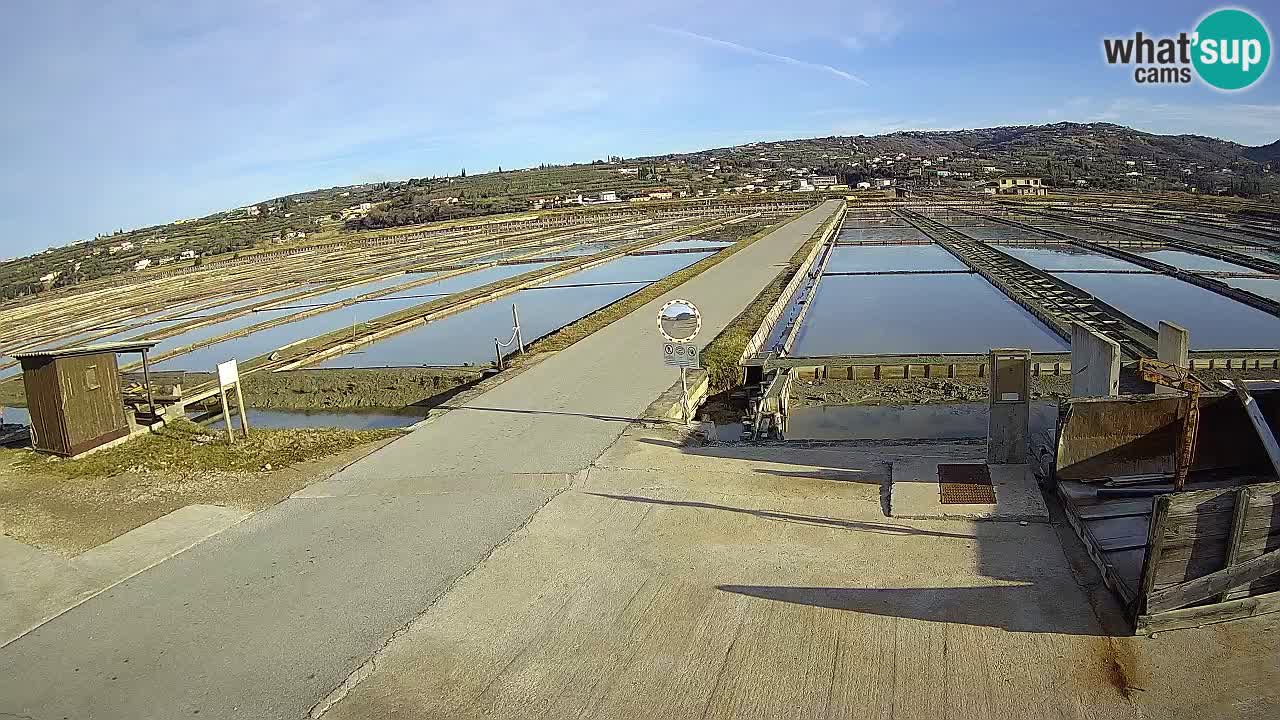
<point x="126" y="113"/>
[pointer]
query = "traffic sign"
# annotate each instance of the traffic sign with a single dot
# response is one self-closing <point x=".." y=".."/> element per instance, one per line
<point x="681" y="355"/>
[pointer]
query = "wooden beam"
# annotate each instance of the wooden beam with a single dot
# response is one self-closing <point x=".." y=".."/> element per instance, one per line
<point x="1207" y="614"/>
<point x="1215" y="583"/>
<point x="1260" y="426"/>
<point x="1238" y="517"/>
<point x="1155" y="543"/>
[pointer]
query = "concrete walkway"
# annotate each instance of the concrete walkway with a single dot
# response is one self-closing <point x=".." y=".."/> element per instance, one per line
<point x="766" y="582"/>
<point x="269" y="617"/>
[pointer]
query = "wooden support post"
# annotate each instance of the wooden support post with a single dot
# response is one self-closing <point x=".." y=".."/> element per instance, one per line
<point x="851" y="373"/>
<point x="876" y="374"/>
<point x="146" y="377"/>
<point x="1155" y="547"/>
<point x="244" y="419"/>
<point x="226" y="415"/>
<point x="1238" y="518"/>
<point x="951" y="370"/>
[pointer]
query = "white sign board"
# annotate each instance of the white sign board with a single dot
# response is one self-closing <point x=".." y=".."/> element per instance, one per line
<point x="681" y="355"/>
<point x="228" y="373"/>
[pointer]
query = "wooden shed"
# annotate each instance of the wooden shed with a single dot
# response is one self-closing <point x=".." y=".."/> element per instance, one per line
<point x="74" y="396"/>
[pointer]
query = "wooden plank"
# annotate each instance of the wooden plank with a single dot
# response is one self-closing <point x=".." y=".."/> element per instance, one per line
<point x="1116" y="508"/>
<point x="1193" y="591"/>
<point x="1155" y="542"/>
<point x="1207" y="614"/>
<point x="1185" y="529"/>
<point x="1121" y="527"/>
<point x="1110" y="576"/>
<point x="1253" y="541"/>
<point x="1127" y="564"/>
<point x="1260" y="425"/>
<point x="1237" y="531"/>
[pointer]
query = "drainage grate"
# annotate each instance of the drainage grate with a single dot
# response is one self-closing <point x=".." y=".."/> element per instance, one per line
<point x="967" y="484"/>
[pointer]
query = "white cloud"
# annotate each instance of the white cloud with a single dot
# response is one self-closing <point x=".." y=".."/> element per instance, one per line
<point x="870" y="26"/>
<point x="755" y="52"/>
<point x="1251" y="124"/>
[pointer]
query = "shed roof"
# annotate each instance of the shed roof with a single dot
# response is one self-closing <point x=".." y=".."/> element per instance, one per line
<point x="116" y="347"/>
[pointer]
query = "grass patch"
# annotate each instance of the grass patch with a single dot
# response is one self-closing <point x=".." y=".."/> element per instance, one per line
<point x="721" y="355"/>
<point x="581" y="328"/>
<point x="183" y="446"/>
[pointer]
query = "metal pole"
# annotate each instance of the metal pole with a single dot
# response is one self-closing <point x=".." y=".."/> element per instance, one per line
<point x="515" y="318"/>
<point x="146" y="377"/>
<point x="497" y="354"/>
<point x="244" y="419"/>
<point x="684" y="402"/>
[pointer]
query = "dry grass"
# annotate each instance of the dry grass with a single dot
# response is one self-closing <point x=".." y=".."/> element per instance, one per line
<point x="184" y="447"/>
<point x="721" y="355"/>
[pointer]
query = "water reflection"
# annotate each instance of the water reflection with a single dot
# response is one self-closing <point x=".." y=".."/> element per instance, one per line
<point x="1215" y="321"/>
<point x="887" y="258"/>
<point x="916" y="314"/>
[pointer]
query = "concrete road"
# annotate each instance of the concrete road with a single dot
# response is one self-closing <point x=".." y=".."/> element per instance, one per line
<point x="268" y="618"/>
<point x="765" y="582"/>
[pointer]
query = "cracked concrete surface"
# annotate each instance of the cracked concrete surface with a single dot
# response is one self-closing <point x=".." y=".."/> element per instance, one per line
<point x="735" y="581"/>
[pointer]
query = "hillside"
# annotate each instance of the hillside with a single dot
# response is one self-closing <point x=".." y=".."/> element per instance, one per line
<point x="1103" y="155"/>
<point x="1095" y="155"/>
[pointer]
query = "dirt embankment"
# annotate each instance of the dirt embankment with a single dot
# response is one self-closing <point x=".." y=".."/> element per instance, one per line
<point x="831" y="391"/>
<point x="386" y="387"/>
<point x="317" y="389"/>
<point x="808" y="392"/>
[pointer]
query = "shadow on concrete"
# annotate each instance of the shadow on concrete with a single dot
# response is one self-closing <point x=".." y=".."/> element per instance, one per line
<point x="607" y="418"/>
<point x="439" y="399"/>
<point x="817" y="520"/>
<point x="832" y="474"/>
<point x="661" y="443"/>
<point x="1016" y="608"/>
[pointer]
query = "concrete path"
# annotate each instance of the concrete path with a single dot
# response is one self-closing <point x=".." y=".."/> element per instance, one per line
<point x="268" y="618"/>
<point x="36" y="585"/>
<point x="766" y="582"/>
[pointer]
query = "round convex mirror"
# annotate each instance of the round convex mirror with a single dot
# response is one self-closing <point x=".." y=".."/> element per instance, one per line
<point x="679" y="320"/>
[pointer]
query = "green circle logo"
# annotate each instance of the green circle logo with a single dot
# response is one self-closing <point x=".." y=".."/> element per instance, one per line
<point x="1232" y="49"/>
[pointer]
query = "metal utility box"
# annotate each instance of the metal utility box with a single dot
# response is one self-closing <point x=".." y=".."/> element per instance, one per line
<point x="1009" y="427"/>
<point x="74" y="397"/>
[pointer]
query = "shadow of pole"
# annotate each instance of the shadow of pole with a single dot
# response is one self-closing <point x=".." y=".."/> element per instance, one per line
<point x="816" y="520"/>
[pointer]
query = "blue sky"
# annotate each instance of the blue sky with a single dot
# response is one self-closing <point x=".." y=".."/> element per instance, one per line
<point x="124" y="114"/>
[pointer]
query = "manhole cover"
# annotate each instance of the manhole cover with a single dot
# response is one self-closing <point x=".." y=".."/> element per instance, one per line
<point x="966" y="485"/>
